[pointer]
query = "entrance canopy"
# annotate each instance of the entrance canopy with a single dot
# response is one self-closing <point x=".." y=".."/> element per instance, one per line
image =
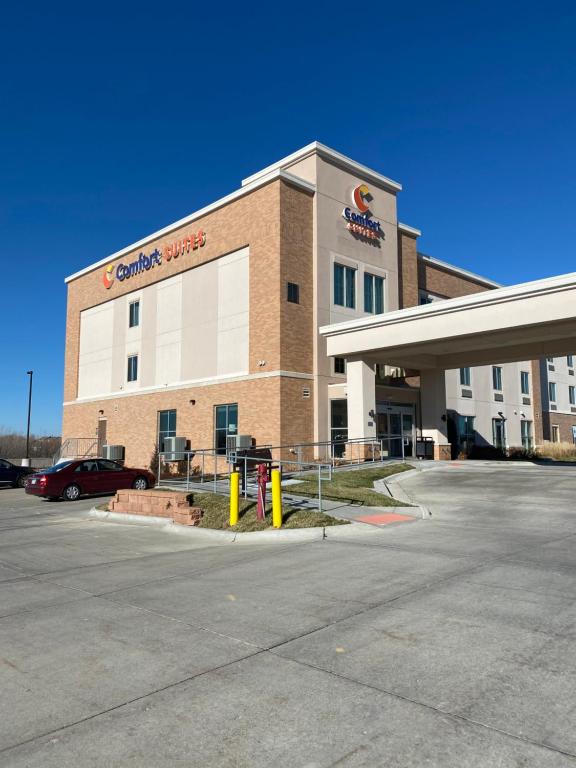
<point x="520" y="322"/>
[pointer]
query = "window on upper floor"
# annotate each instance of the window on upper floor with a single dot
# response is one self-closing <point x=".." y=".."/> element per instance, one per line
<point x="339" y="365"/>
<point x="524" y="382"/>
<point x="344" y="286"/>
<point x="134" y="314"/>
<point x="497" y="378"/>
<point x="373" y="294"/>
<point x="293" y="293"/>
<point x="552" y="391"/>
<point x="132" y="373"/>
<point x="572" y="395"/>
<point x="570" y="361"/>
<point x="465" y="377"/>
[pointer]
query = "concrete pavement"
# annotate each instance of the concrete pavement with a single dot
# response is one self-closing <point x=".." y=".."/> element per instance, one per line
<point x="443" y="642"/>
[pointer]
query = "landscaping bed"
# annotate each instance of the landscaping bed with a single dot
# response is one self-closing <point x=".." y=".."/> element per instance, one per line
<point x="353" y="486"/>
<point x="216" y="509"/>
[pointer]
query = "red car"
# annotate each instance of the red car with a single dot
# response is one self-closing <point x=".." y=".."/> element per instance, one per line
<point x="71" y="479"/>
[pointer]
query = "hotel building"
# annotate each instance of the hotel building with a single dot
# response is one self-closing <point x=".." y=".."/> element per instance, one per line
<point x="209" y="327"/>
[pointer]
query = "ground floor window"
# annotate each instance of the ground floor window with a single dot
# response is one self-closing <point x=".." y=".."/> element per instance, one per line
<point x="498" y="433"/>
<point x="166" y="427"/>
<point x="526" y="435"/>
<point x="225" y="424"/>
<point x="555" y="433"/>
<point x="574" y="434"/>
<point x="466" y="431"/>
<point x="339" y="426"/>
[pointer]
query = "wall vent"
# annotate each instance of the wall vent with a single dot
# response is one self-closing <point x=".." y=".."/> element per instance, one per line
<point x="498" y="397"/>
<point x="553" y="407"/>
<point x="306" y="393"/>
<point x="525" y="401"/>
<point x="467" y="393"/>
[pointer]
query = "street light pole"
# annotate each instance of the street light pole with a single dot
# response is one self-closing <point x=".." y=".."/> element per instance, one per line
<point x="29" y="373"/>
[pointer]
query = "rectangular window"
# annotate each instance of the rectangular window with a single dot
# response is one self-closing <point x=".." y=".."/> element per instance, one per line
<point x="572" y="395"/>
<point x="550" y="359"/>
<point x="465" y="377"/>
<point x="497" y="377"/>
<point x="570" y="361"/>
<point x="373" y="294"/>
<point x="555" y="433"/>
<point x="132" y="374"/>
<point x="293" y="293"/>
<point x="499" y="433"/>
<point x="344" y="286"/>
<point x="339" y="365"/>
<point x="134" y="314"/>
<point x="526" y="434"/>
<point x="166" y="427"/>
<point x="466" y="431"/>
<point x="524" y="383"/>
<point x="552" y="391"/>
<point x="225" y="424"/>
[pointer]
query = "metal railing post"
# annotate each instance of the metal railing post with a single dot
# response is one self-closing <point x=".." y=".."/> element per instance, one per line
<point x="203" y="457"/>
<point x="319" y="487"/>
<point x="215" y="470"/>
<point x="158" y="475"/>
<point x="402" y="442"/>
<point x="188" y="473"/>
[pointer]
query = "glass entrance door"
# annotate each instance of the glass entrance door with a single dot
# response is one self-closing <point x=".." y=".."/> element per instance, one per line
<point x="395" y="427"/>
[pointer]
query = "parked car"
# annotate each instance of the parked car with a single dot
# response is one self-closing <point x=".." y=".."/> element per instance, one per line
<point x="71" y="479"/>
<point x="12" y="475"/>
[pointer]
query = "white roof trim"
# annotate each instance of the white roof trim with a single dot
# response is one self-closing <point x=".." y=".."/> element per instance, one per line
<point x="409" y="230"/>
<point x="335" y="157"/>
<point x="459" y="271"/>
<point x="276" y="174"/>
<point x="461" y="303"/>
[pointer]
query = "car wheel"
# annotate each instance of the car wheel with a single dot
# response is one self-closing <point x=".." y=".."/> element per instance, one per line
<point x="21" y="482"/>
<point x="140" y="484"/>
<point x="71" y="492"/>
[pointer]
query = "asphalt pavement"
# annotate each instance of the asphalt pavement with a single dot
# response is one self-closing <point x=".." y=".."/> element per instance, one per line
<point x="443" y="642"/>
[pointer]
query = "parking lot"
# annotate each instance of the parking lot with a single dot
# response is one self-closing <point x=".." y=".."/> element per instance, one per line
<point x="442" y="642"/>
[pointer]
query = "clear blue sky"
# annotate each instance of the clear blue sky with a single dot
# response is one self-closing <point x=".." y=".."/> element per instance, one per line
<point x="117" y="119"/>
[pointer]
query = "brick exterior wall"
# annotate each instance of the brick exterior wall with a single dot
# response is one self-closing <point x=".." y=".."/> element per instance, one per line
<point x="433" y="278"/>
<point x="407" y="270"/>
<point x="565" y="423"/>
<point x="539" y="416"/>
<point x="275" y="221"/>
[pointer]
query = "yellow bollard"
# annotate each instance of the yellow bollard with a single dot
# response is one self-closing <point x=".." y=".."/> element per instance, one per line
<point x="234" y="497"/>
<point x="276" y="499"/>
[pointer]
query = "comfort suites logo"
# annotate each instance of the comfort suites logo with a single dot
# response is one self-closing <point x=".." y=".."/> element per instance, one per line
<point x="108" y="276"/>
<point x="361" y="197"/>
<point x="145" y="262"/>
<point x="360" y="224"/>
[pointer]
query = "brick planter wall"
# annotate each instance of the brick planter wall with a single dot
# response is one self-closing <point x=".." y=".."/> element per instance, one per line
<point x="172" y="505"/>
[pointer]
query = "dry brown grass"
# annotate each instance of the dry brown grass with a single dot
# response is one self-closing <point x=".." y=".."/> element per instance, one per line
<point x="558" y="451"/>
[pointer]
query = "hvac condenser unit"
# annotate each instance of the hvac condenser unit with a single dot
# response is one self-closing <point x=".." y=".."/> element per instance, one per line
<point x="113" y="452"/>
<point x="174" y="448"/>
<point x="237" y="442"/>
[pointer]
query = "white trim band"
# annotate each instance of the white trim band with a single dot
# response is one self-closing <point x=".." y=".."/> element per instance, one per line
<point x="191" y="384"/>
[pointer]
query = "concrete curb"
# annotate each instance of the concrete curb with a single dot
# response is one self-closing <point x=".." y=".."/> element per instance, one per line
<point x="230" y="537"/>
<point x="393" y="488"/>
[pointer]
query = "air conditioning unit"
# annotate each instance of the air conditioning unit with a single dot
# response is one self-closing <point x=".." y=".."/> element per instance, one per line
<point x="113" y="452"/>
<point x="237" y="442"/>
<point x="243" y="441"/>
<point x="174" y="448"/>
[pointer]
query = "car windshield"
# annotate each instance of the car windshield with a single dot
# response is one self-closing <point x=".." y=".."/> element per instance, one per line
<point x="56" y="467"/>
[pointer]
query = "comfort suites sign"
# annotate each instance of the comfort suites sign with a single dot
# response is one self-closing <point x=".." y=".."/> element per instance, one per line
<point x="156" y="258"/>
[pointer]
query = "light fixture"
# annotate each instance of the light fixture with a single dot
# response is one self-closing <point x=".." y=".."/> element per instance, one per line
<point x="101" y="412"/>
<point x="192" y="402"/>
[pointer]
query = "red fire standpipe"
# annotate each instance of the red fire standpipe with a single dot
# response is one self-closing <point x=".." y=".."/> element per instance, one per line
<point x="262" y="480"/>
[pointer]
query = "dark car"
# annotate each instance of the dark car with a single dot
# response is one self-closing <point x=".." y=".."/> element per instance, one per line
<point x="71" y="479"/>
<point x="12" y="475"/>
